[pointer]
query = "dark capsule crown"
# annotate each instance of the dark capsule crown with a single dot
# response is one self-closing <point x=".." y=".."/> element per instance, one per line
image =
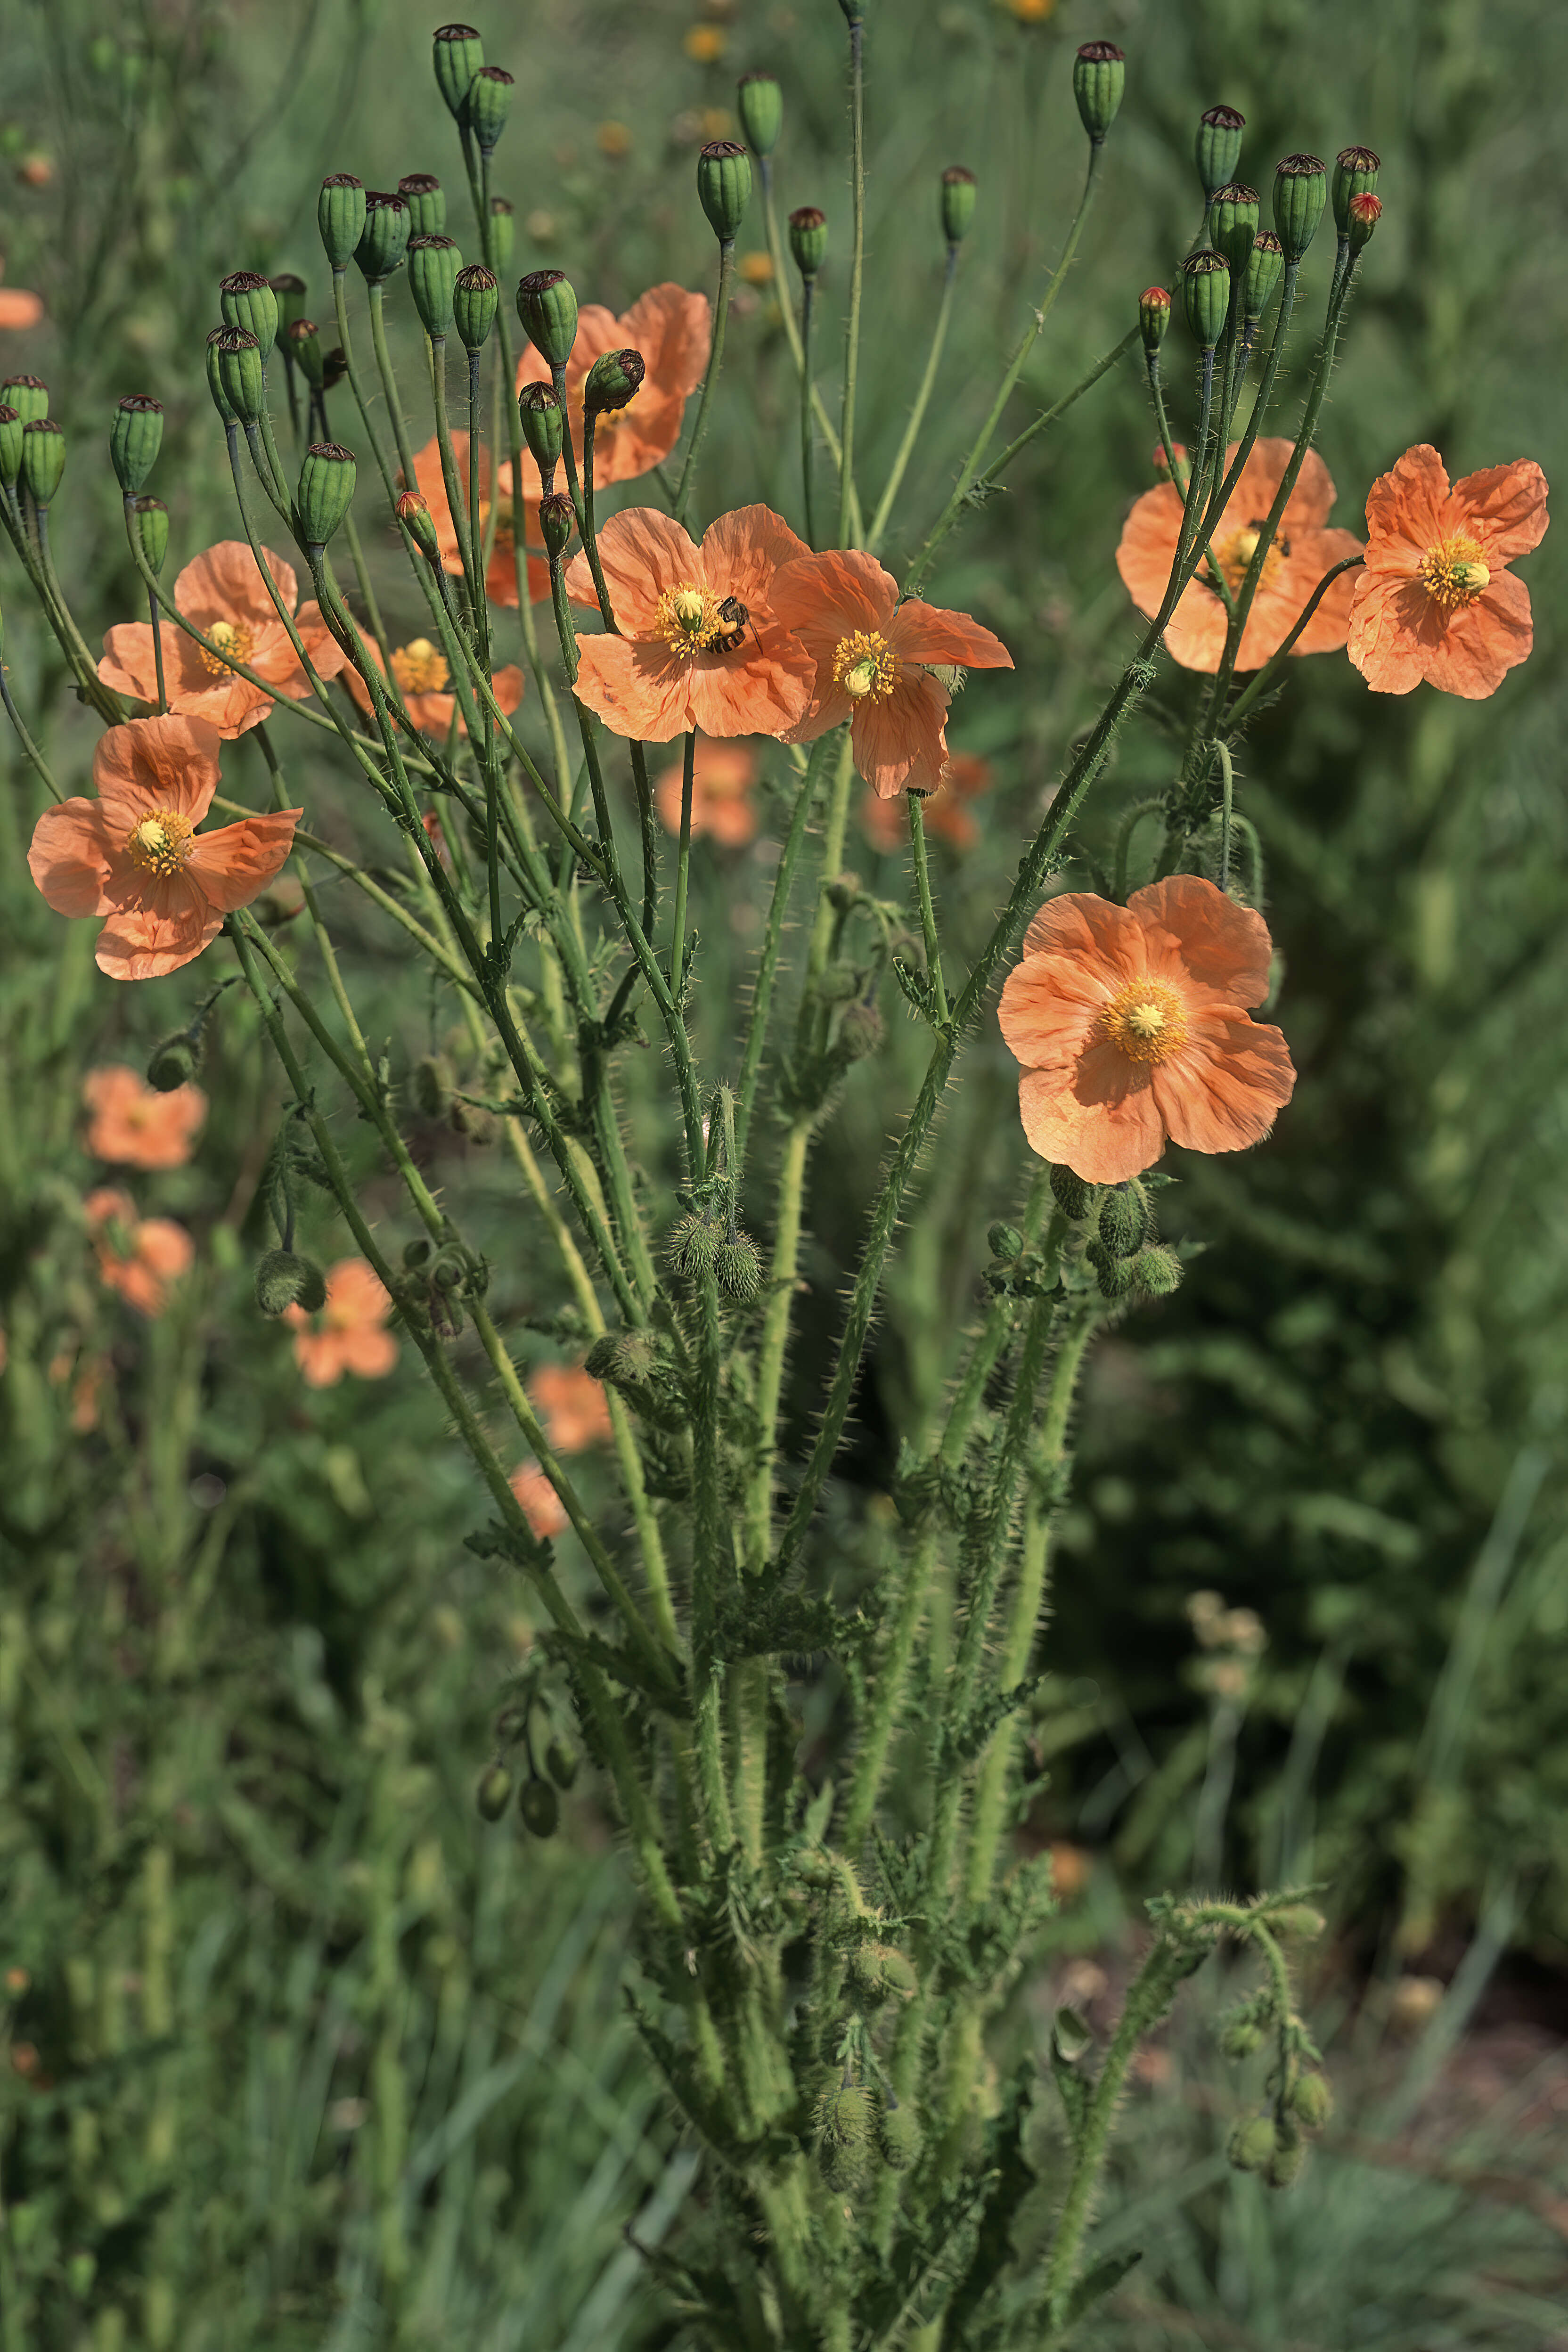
<point x="286" y="283"/>
<point x="141" y="404"/>
<point x="243" y="281"/>
<point x="1223" y="117"/>
<point x="1101" y="53"/>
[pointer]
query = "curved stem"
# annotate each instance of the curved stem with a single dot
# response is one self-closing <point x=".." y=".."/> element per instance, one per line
<point x="682" y="869"/>
<point x="767" y="969"/>
<point x="922" y="402"/>
<point x="35" y="756"/>
<point x="715" y="362"/>
<point x="928" y="912"/>
<point x="1249" y="695"/>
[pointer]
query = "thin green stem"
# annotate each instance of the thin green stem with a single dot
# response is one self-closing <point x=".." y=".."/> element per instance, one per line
<point x="767" y="968"/>
<point x="1261" y="682"/>
<point x="377" y="304"/>
<point x="467" y="527"/>
<point x="682" y="869"/>
<point x="35" y="758"/>
<point x="155" y="618"/>
<point x="590" y="536"/>
<point x="715" y="362"/>
<point x="808" y="389"/>
<point x="928" y="912"/>
<point x="922" y="402"/>
<point x="857" y="274"/>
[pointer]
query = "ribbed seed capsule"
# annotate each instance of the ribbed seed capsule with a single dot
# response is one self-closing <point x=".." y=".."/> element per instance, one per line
<point x="414" y="513"/>
<point x="303" y="345"/>
<point x="43" y="459"/>
<point x="959" y="192"/>
<point x="1233" y="223"/>
<point x="153" y="530"/>
<point x="490" y="103"/>
<point x="340" y="216"/>
<point x="1218" y="149"/>
<point x="808" y="239"/>
<point x="556" y="522"/>
<point x="1355" y="174"/>
<point x="290" y="291"/>
<point x="1205" y="296"/>
<point x="426" y="202"/>
<point x="384" y="240"/>
<point x="1153" y="316"/>
<point x="476" y="296"/>
<point x="1264" y="265"/>
<point x="237" y="354"/>
<point x="503" y="232"/>
<point x="760" y="104"/>
<point x="724" y="187"/>
<point x="459" y="54"/>
<point x="432" y="265"/>
<point x="1300" y="192"/>
<point x="11" y="431"/>
<point x="1099" y="79"/>
<point x="135" y="438"/>
<point x="246" y="299"/>
<point x="614" y="378"/>
<point x="27" y="395"/>
<point x="544" y="424"/>
<point x="326" y="489"/>
<point x="547" y="308"/>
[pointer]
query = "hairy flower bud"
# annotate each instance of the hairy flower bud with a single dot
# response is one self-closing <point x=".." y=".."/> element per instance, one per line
<point x="538" y="1808"/>
<point x="1099" y="78"/>
<point x="1070" y="2037"/>
<point x="303" y="345"/>
<point x="414" y="513"/>
<point x="960" y="193"/>
<point x="1153" y="316"/>
<point x="290" y="292"/>
<point x="761" y="103"/>
<point x="1312" y="2102"/>
<point x="740" y="1269"/>
<point x="237" y="355"/>
<point x="544" y="424"/>
<point x="423" y="194"/>
<point x="340" y="216"/>
<point x="1264" y="266"/>
<point x="614" y="378"/>
<point x="384" y="240"/>
<point x="1005" y="1241"/>
<point x="43" y="459"/>
<point x="1251" y="2145"/>
<point x="724" y="187"/>
<point x="1300" y="192"/>
<point x="1241" y="2036"/>
<point x="459" y="54"/>
<point x="1073" y="1197"/>
<point x="11" y="431"/>
<point x="1289" y="2155"/>
<point x="285" y="1279"/>
<point x="326" y="491"/>
<point x="489" y="104"/>
<point x="548" y="309"/>
<point x="1123" y="1219"/>
<point x="1233" y="223"/>
<point x="1205" y="295"/>
<point x="432" y="265"/>
<point x="153" y="530"/>
<point x="808" y="239"/>
<point x="492" y="1793"/>
<point x="860" y="1030"/>
<point x="1156" y="1272"/>
<point x="1364" y="213"/>
<point x="1355" y="174"/>
<point x="476" y="297"/>
<point x="899" y="2134"/>
<point x="695" y="1244"/>
<point x="28" y="396"/>
<point x="174" y="1063"/>
<point x="246" y="299"/>
<point x="1217" y="150"/>
<point x="135" y="438"/>
<point x="556" y="524"/>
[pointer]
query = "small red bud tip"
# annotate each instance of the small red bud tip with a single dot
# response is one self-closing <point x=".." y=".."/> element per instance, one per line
<point x="555" y="523"/>
<point x="1363" y="212"/>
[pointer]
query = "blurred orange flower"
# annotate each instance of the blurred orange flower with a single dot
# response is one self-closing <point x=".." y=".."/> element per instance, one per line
<point x="19" y="308"/>
<point x="672" y="330"/>
<point x="348" y="1334"/>
<point x="222" y="593"/>
<point x="572" y="1406"/>
<point x="541" y="1506"/>
<point x="946" y="818"/>
<point x="722" y="803"/>
<point x="137" y="1256"/>
<point x="134" y="855"/>
<point x="1130" y="1026"/>
<point x="423" y="677"/>
<point x="1302" y="552"/>
<point x="136" y="1127"/>
<point x="1436" y="600"/>
<point x="500" y="573"/>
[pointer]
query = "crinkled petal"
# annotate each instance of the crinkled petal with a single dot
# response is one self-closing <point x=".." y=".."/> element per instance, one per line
<point x="835" y="594"/>
<point x="925" y="633"/>
<point x="901" y="745"/>
<point x="156" y="764"/>
<point x="744" y="552"/>
<point x="226" y="585"/>
<point x="1147" y="550"/>
<point x="1221" y="1090"/>
<point x="1202" y="940"/>
<point x="642" y="553"/>
<point x="1049" y="1005"/>
<point x="167" y="926"/>
<point x="1504" y="508"/>
<point x="1480" y="643"/>
<point x="1094" y="931"/>
<point x="642" y="691"/>
<point x="235" y="861"/>
<point x="762" y="688"/>
<point x="1405" y="511"/>
<point x="72" y="857"/>
<point x="1099" y="1117"/>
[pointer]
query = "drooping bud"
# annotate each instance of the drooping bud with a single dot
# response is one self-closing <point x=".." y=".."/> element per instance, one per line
<point x="1233" y="223"/>
<point x="761" y="103"/>
<point x="1241" y="2036"/>
<point x="503" y="232"/>
<point x="556" y="522"/>
<point x="1300" y="192"/>
<point x="1123" y="1219"/>
<point x="290" y="291"/>
<point x="340" y="216"/>
<point x="1289" y="2155"/>
<point x="1355" y="174"/>
<point x="246" y="299"/>
<point x="1099" y="78"/>
<point x="11" y="431"/>
<point x="959" y="191"/>
<point x="43" y="459"/>
<point x="547" y="308"/>
<point x="174" y="1063"/>
<point x="1365" y="212"/>
<point x="476" y="297"/>
<point x="1251" y="2145"/>
<point x="238" y="356"/>
<point x="492" y="1793"/>
<point x="334" y="367"/>
<point x="1205" y="295"/>
<point x="614" y="378"/>
<point x="695" y="1244"/>
<point x="1312" y="2102"/>
<point x="303" y="345"/>
<point x="489" y="104"/>
<point x="135" y="438"/>
<point x="740" y="1269"/>
<point x="544" y="424"/>
<point x="153" y="530"/>
<point x="899" y="2134"/>
<point x="432" y="265"/>
<point x="561" y="1761"/>
<point x="808" y="239"/>
<point x="414" y="513"/>
<point x="1156" y="1272"/>
<point x="860" y="1030"/>
<point x="1217" y="150"/>
<point x="384" y="240"/>
<point x="326" y="490"/>
<point x="1153" y="316"/>
<point x="1005" y="1241"/>
<point x="458" y="55"/>
<point x="27" y="395"/>
<point x="285" y="1279"/>
<point x="538" y="1808"/>
<point x="724" y="187"/>
<point x="423" y="194"/>
<point x="1264" y="265"/>
<point x="1073" y="1197"/>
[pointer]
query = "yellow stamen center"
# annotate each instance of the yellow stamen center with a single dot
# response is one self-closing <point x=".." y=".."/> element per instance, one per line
<point x="231" y="637"/>
<point x="1147" y="1021"/>
<point x="1234" y="554"/>
<point x="160" y="842"/>
<point x="865" y="664"/>
<point x="420" y="667"/>
<point x="1454" y="572"/>
<point x="688" y="619"/>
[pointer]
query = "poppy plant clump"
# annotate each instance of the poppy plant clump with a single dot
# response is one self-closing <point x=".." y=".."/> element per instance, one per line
<point x="222" y="593"/>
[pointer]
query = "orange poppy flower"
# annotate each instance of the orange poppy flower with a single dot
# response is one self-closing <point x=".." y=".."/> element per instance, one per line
<point x="722" y="803"/>
<point x="137" y="1256"/>
<point x="701" y="644"/>
<point x="422" y="675"/>
<point x="135" y="853"/>
<point x="500" y="573"/>
<point x="541" y="1506"/>
<point x="348" y="1334"/>
<point x="672" y="330"/>
<point x="1302" y="552"/>
<point x="1436" y="600"/>
<point x="223" y="595"/>
<point x="136" y="1127"/>
<point x="870" y="653"/>
<point x="946" y="818"/>
<point x="18" y="308"/>
<point x="1131" y="1026"/>
<point x="573" y="1405"/>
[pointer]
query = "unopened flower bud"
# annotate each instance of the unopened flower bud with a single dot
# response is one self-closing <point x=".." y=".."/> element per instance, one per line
<point x="174" y="1063"/>
<point x="695" y="1244"/>
<point x="1251" y="2145"/>
<point x="1153" y="316"/>
<point x="538" y="1808"/>
<point x="27" y="395"/>
<point x="860" y="1030"/>
<point x="1241" y="2037"/>
<point x="1114" y="1274"/>
<point x="1300" y="192"/>
<point x="1123" y="1219"/>
<point x="1289" y="2155"/>
<point x="476" y="297"/>
<point x="1099" y="78"/>
<point x="1005" y="1241"/>
<point x="614" y="378"/>
<point x="432" y="265"/>
<point x="1218" y="147"/>
<point x="561" y="1761"/>
<point x="458" y="55"/>
<point x="303" y="345"/>
<point x="1355" y="174"/>
<point x="959" y="191"/>
<point x="334" y="367"/>
<point x="285" y="1279"/>
<point x="492" y="1793"/>
<point x="237" y="354"/>
<point x="423" y="194"/>
<point x="740" y="1269"/>
<point x="1264" y="266"/>
<point x="1205" y="295"/>
<point x="384" y="240"/>
<point x="1157" y="1272"/>
<point x="544" y="424"/>
<point x="489" y="104"/>
<point x="1073" y="1197"/>
<point x="899" y="2134"/>
<point x="1364" y="213"/>
<point x="11" y="431"/>
<point x="1312" y="2102"/>
<point x="326" y="491"/>
<point x="548" y="309"/>
<point x="414" y="513"/>
<point x="556" y="522"/>
<point x="724" y="187"/>
<point x="761" y="103"/>
<point x="153" y="530"/>
<point x="1233" y="223"/>
<point x="502" y="233"/>
<point x="808" y="239"/>
<point x="43" y="459"/>
<point x="290" y="291"/>
<point x="340" y="216"/>
<point x="135" y="438"/>
<point x="1070" y="2037"/>
<point x="246" y="299"/>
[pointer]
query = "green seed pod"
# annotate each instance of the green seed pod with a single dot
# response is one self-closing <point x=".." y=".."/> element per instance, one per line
<point x="1123" y="1219"/>
<point x="1355" y="174"/>
<point x="489" y="104"/>
<point x="503" y="232"/>
<point x="237" y="355"/>
<point x="246" y="299"/>
<point x="695" y="1244"/>
<point x="1312" y="2102"/>
<point x="543" y="422"/>
<point x="960" y="193"/>
<point x="561" y="1761"/>
<point x="432" y="265"/>
<point x="214" y="382"/>
<point x="27" y="395"/>
<point x="384" y="240"/>
<point x="1264" y="265"/>
<point x="476" y="297"/>
<point x="43" y="459"/>
<point x="538" y="1808"/>
<point x="290" y="291"/>
<point x="422" y="192"/>
<point x="556" y="524"/>
<point x="1205" y="296"/>
<point x="1233" y="223"/>
<point x="340" y="216"/>
<point x="761" y="103"/>
<point x="1365" y="212"/>
<point x="492" y="1793"/>
<point x="326" y="491"/>
<point x="1073" y="1197"/>
<point x="1153" y="316"/>
<point x="724" y="187"/>
<point x="1251" y="2146"/>
<point x="547" y="308"/>
<point x="11" y="431"/>
<point x="899" y="2134"/>
<point x="153" y="530"/>
<point x="1005" y="1241"/>
<point x="1218" y="147"/>
<point x="135" y="438"/>
<point x="174" y="1063"/>
<point x="1099" y="79"/>
<point x="303" y="345"/>
<point x="808" y="239"/>
<point x="740" y="1269"/>
<point x="285" y="1279"/>
<point x="458" y="55"/>
<point x="1300" y="192"/>
<point x="614" y="378"/>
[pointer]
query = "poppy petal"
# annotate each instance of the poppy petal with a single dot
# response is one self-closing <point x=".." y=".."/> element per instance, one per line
<point x="1221" y="1090"/>
<point x="72" y="858"/>
<point x="1194" y="932"/>
<point x="1099" y="1119"/>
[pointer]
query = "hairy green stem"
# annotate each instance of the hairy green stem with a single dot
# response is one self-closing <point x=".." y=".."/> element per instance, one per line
<point x="715" y="362"/>
<point x="857" y="274"/>
<point x="922" y="402"/>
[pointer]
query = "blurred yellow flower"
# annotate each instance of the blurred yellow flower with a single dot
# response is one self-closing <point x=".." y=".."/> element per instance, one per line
<point x="705" y="43"/>
<point x="717" y="122"/>
<point x="1030" y="12"/>
<point x="612" y="139"/>
<point x="757" y="268"/>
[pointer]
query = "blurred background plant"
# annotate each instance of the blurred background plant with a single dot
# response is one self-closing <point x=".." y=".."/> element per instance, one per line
<point x="300" y="2051"/>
